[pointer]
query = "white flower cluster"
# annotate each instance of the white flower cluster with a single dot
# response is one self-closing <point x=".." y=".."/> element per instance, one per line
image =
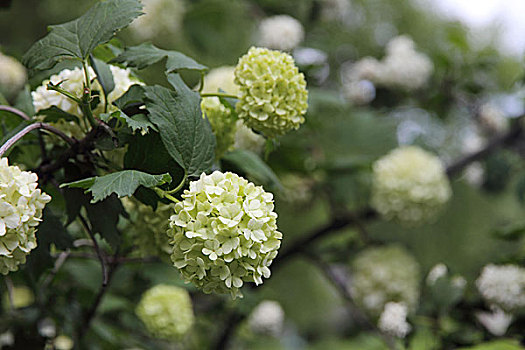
<point x="161" y="18"/>
<point x="410" y="185"/>
<point x="496" y="322"/>
<point x="246" y="139"/>
<point x="402" y="67"/>
<point x="267" y="318"/>
<point x="72" y="80"/>
<point x="221" y="78"/>
<point x="393" y="320"/>
<point x="280" y="32"/>
<point x="166" y="311"/>
<point x="21" y="205"/>
<point x="12" y="75"/>
<point x="438" y="271"/>
<point x="503" y="285"/>
<point x="224" y="233"/>
<point x="384" y="274"/>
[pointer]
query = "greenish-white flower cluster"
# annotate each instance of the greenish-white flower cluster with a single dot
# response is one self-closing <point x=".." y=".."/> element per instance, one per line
<point x="222" y="122"/>
<point x="385" y="274"/>
<point x="166" y="311"/>
<point x="409" y="185"/>
<point x="246" y="139"/>
<point x="148" y="228"/>
<point x="21" y="205"/>
<point x="273" y="95"/>
<point x="224" y="233"/>
<point x="12" y="75"/>
<point x="280" y="32"/>
<point x="503" y="286"/>
<point x="393" y="320"/>
<point x="72" y="81"/>
<point x="162" y="18"/>
<point x="267" y="318"/>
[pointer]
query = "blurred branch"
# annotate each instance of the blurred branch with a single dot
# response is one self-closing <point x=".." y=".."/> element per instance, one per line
<point x="234" y="319"/>
<point x="113" y="260"/>
<point x="505" y="139"/>
<point x="61" y="259"/>
<point x="14" y="111"/>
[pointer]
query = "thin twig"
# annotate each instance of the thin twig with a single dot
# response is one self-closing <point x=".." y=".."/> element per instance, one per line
<point x="14" y="111"/>
<point x="62" y="257"/>
<point x="100" y="255"/>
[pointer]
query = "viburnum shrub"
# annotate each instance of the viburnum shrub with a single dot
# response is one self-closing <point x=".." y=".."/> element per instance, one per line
<point x="133" y="148"/>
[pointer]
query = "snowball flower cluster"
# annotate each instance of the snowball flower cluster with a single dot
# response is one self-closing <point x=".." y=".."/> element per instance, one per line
<point x="273" y="95"/>
<point x="409" y="185"/>
<point x="148" y="228"/>
<point x="280" y="32"/>
<point x="21" y="205"/>
<point x="161" y="18"/>
<point x="224" y="233"/>
<point x="12" y="75"/>
<point x="246" y="139"/>
<point x="496" y="322"/>
<point x="72" y="80"/>
<point x="385" y="274"/>
<point x="393" y="320"/>
<point x="166" y="311"/>
<point x="403" y="67"/>
<point x="503" y="285"/>
<point x="267" y="318"/>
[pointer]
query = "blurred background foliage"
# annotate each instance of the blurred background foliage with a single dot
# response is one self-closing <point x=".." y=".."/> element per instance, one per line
<point x="330" y="159"/>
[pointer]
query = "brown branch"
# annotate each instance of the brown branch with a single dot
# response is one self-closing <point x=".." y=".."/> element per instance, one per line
<point x="14" y="111"/>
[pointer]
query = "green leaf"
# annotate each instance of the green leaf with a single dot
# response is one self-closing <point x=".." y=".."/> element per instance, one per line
<point x="186" y="135"/>
<point x="504" y="344"/>
<point x="104" y="75"/>
<point x="54" y="114"/>
<point x="78" y="38"/>
<point x="123" y="183"/>
<point x="134" y="95"/>
<point x="104" y="217"/>
<point x="250" y="164"/>
<point x="135" y="122"/>
<point x="146" y="54"/>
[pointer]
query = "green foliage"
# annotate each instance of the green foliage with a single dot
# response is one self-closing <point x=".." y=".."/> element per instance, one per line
<point x="123" y="183"/>
<point x="78" y="38"/>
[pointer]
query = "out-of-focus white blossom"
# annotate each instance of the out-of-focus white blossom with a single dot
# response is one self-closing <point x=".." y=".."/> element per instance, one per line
<point x="403" y="67"/>
<point x="47" y="328"/>
<point x="496" y="322"/>
<point x="267" y="318"/>
<point x="162" y="18"/>
<point x="20" y="297"/>
<point x="458" y="282"/>
<point x="438" y="271"/>
<point x="7" y="339"/>
<point x="360" y="92"/>
<point x="166" y="311"/>
<point x="63" y="342"/>
<point x="335" y="10"/>
<point x="12" y="75"/>
<point x="503" y="285"/>
<point x="393" y="320"/>
<point x="280" y="32"/>
<point x="72" y="80"/>
<point x="475" y="174"/>
<point x="409" y="185"/>
<point x="21" y="206"/>
<point x="492" y="119"/>
<point x="246" y="139"/>
<point x="224" y="233"/>
<point x="221" y="78"/>
<point x="384" y="274"/>
<point x="297" y="188"/>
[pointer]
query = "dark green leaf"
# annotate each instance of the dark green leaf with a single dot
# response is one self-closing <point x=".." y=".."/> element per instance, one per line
<point x="135" y="122"/>
<point x="104" y="75"/>
<point x="252" y="165"/>
<point x="135" y="94"/>
<point x="146" y="54"/>
<point x="78" y="38"/>
<point x="104" y="217"/>
<point x="123" y="183"/>
<point x="186" y="135"/>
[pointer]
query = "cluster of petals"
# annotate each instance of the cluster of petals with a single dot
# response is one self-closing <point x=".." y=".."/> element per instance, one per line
<point x="267" y="318"/>
<point x="409" y="185"/>
<point x="384" y="274"/>
<point x="503" y="285"/>
<point x="273" y="97"/>
<point x="161" y="18"/>
<point x="21" y="206"/>
<point x="393" y="320"/>
<point x="72" y="81"/>
<point x="166" y="311"/>
<point x="224" y="233"/>
<point x="281" y="32"/>
<point x="12" y="75"/>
